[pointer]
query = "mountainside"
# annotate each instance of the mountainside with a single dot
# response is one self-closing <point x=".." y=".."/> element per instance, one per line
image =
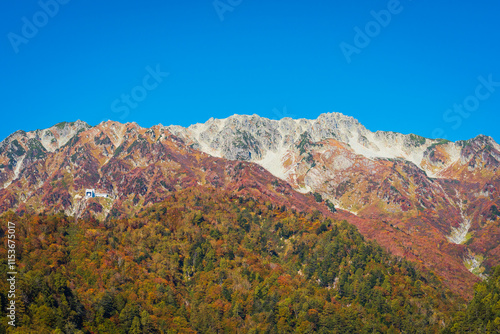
<point x="208" y="261"/>
<point x="237" y="136"/>
<point x="135" y="166"/>
<point x="443" y="194"/>
<point x="432" y="201"/>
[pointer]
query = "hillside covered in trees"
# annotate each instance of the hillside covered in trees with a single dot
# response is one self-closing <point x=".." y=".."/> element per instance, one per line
<point x="210" y="262"/>
<point x="482" y="315"/>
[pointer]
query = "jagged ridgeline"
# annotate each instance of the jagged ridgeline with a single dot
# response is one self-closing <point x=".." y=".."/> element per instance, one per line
<point x="207" y="261"/>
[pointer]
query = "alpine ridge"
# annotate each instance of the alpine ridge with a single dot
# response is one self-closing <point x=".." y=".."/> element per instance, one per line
<point x="430" y="200"/>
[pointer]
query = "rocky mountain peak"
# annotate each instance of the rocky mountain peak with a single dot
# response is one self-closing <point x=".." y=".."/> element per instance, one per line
<point x="268" y="142"/>
<point x="26" y="147"/>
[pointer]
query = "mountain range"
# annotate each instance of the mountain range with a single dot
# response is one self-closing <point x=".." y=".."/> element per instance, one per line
<point x="432" y="201"/>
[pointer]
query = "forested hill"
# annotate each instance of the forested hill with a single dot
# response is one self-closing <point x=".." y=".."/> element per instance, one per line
<point x="483" y="312"/>
<point x="206" y="261"/>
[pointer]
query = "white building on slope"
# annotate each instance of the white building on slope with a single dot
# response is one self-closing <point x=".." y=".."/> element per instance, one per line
<point x="90" y="193"/>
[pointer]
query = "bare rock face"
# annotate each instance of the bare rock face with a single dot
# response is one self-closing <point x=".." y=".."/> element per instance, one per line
<point x="432" y="201"/>
<point x="259" y="136"/>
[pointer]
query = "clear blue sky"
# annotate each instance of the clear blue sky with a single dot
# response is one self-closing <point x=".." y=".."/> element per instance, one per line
<point x="271" y="58"/>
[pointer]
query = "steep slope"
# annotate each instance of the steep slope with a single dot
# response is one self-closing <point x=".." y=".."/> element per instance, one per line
<point x="208" y="261"/>
<point x="135" y="166"/>
<point x="442" y="193"/>
<point x="22" y="148"/>
<point x="239" y="135"/>
<point x="449" y="223"/>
